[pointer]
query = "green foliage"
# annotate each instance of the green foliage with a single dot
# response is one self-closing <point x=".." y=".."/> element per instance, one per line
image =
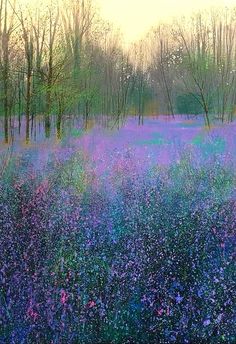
<point x="188" y="104"/>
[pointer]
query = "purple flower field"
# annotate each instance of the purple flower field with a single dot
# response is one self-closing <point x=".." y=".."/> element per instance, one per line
<point x="119" y="235"/>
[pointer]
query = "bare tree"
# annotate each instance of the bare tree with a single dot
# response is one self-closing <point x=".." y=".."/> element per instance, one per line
<point x="6" y="31"/>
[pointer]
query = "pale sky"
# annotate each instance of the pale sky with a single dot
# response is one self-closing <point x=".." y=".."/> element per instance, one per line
<point x="136" y="17"/>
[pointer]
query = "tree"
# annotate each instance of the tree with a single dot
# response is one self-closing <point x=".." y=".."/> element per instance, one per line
<point x="6" y="53"/>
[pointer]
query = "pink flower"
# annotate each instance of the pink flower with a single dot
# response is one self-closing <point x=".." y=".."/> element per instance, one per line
<point x="91" y="304"/>
<point x="42" y="188"/>
<point x="64" y="296"/>
<point x="31" y="313"/>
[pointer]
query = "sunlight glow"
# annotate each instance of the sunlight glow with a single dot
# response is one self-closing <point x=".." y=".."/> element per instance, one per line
<point x="136" y="17"/>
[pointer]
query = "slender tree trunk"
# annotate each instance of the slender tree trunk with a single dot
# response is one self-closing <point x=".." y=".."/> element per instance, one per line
<point x="28" y="101"/>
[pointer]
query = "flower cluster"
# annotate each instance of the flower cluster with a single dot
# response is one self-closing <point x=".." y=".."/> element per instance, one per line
<point x="127" y="258"/>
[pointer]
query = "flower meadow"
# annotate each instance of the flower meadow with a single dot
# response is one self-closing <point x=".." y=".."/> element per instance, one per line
<point x="131" y="256"/>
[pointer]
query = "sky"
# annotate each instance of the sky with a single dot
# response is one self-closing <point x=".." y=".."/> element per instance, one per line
<point x="136" y="17"/>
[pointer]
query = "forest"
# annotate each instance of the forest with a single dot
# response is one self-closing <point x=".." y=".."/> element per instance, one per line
<point x="65" y="59"/>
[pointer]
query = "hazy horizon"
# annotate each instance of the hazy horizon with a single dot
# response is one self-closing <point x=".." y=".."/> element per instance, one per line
<point x="134" y="18"/>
